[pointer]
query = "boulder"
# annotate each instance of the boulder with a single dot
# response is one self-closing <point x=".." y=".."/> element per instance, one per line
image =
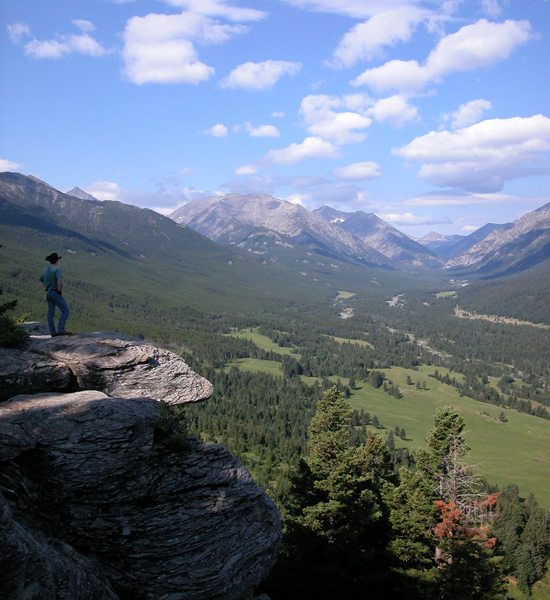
<point x="109" y="362"/>
<point x="26" y="373"/>
<point x="33" y="567"/>
<point x="96" y="505"/>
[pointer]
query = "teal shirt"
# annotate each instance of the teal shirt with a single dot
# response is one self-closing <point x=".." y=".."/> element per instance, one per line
<point x="49" y="278"/>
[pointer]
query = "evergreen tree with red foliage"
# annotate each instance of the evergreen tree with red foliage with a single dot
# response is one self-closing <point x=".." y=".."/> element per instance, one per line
<point x="442" y="520"/>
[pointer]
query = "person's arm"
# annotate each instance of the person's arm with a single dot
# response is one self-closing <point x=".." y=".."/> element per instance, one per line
<point x="59" y="277"/>
<point x="41" y="279"/>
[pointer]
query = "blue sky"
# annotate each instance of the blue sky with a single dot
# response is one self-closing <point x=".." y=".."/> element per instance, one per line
<point x="435" y="115"/>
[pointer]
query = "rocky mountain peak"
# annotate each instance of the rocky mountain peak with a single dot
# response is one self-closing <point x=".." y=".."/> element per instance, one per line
<point x="332" y="215"/>
<point x="388" y="240"/>
<point x="511" y="247"/>
<point x="433" y="236"/>
<point x="76" y="192"/>
<point x="231" y="217"/>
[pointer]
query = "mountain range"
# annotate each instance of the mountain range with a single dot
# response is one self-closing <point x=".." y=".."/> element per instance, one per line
<point x="128" y="261"/>
<point x="388" y="240"/>
<point x="237" y="220"/>
<point x="359" y="237"/>
<point x="450" y="246"/>
<point x="514" y="248"/>
<point x="224" y="249"/>
<point x="249" y="221"/>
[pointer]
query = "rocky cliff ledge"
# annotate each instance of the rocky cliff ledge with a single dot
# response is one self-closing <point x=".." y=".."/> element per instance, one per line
<point x="93" y="506"/>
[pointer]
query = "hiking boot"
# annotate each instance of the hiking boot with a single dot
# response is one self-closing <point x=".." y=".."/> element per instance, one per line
<point x="54" y="334"/>
<point x="64" y="333"/>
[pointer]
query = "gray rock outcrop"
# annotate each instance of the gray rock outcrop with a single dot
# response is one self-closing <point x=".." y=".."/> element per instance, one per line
<point x="95" y="505"/>
<point x="36" y="567"/>
<point x="26" y="372"/>
<point x="109" y="362"/>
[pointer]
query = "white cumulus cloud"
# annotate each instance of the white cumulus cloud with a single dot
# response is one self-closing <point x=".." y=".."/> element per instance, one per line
<point x="60" y="46"/>
<point x="259" y="76"/>
<point x="469" y="113"/>
<point x="365" y="40"/>
<point x="219" y="8"/>
<point x="311" y="147"/>
<point x="8" y="165"/>
<point x="163" y="199"/>
<point x="480" y="158"/>
<point x="104" y="190"/>
<point x="159" y="48"/>
<point x="359" y="171"/>
<point x="246" y="170"/>
<point x="471" y="47"/>
<point x="395" y="109"/>
<point x="217" y="130"/>
<point x="262" y="131"/>
<point x="341" y="127"/>
<point x="84" y="25"/>
<point x="297" y="199"/>
<point x="18" y="31"/>
<point x="491" y="7"/>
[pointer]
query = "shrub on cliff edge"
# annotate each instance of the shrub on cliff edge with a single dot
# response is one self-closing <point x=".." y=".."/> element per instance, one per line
<point x="171" y="427"/>
<point x="11" y="336"/>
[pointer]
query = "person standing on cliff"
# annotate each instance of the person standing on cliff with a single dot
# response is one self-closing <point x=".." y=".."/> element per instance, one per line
<point x="52" y="282"/>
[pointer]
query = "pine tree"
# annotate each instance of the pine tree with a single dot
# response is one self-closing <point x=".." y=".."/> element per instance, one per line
<point x="441" y="519"/>
<point x="526" y="570"/>
<point x="11" y="336"/>
<point x="376" y="379"/>
<point x="336" y="528"/>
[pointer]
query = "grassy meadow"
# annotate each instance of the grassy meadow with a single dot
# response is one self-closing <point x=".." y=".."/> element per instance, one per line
<point x="517" y="451"/>
<point x="263" y="342"/>
<point x="345" y="341"/>
<point x="255" y="365"/>
<point x="540" y="591"/>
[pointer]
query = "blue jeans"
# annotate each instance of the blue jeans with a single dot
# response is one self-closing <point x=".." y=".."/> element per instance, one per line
<point x="54" y="299"/>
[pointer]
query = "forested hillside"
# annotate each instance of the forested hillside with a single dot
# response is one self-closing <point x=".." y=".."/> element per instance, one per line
<point x="523" y="297"/>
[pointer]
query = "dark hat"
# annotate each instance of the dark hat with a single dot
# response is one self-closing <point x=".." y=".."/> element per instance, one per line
<point x="53" y="257"/>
